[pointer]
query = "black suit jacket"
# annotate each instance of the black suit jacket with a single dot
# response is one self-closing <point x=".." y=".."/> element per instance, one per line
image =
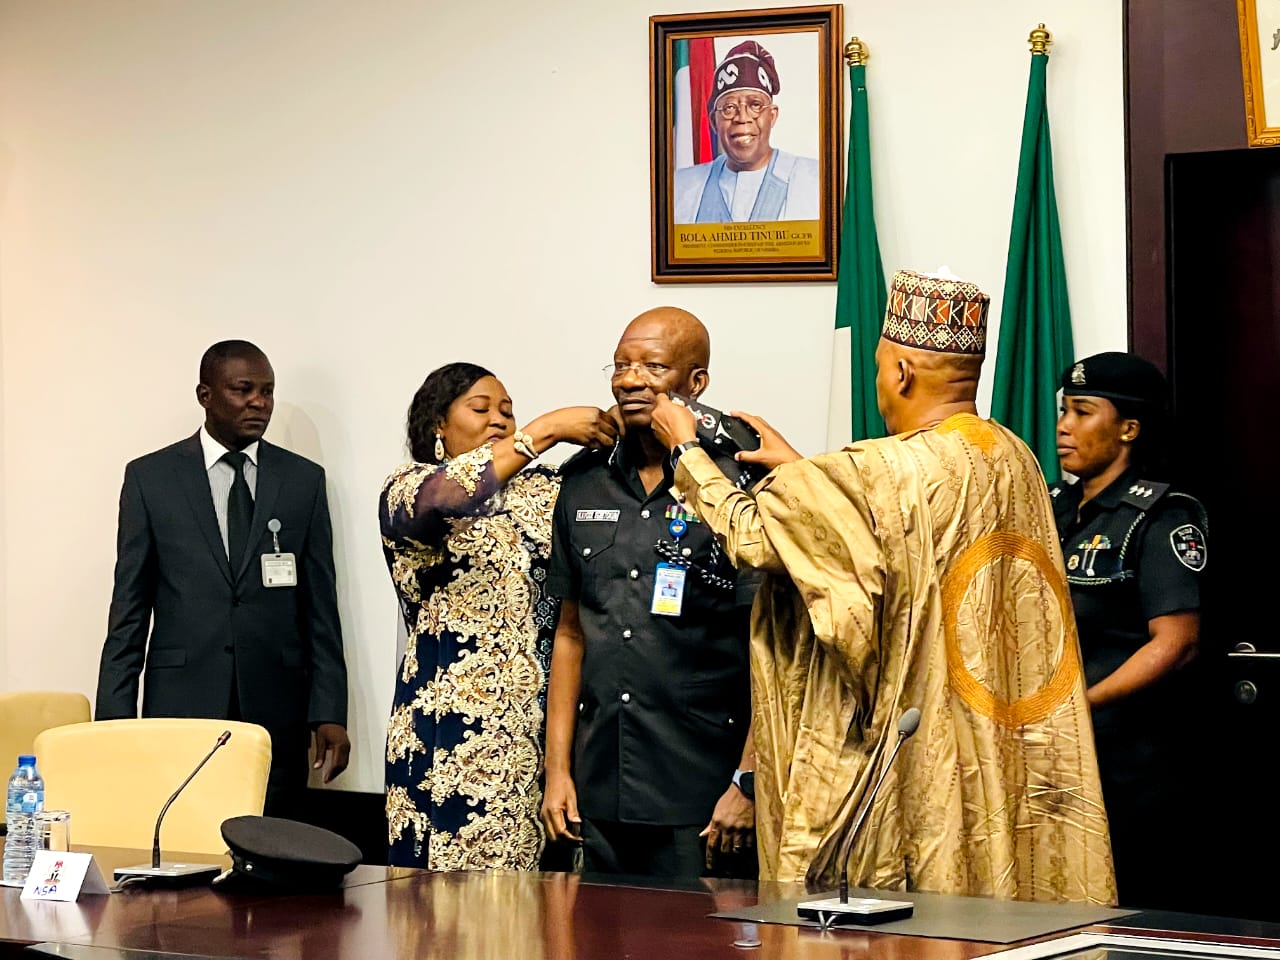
<point x="196" y="624"/>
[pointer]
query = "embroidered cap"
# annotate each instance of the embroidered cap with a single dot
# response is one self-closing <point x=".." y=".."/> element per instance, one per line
<point x="1116" y="376"/>
<point x="940" y="313"/>
<point x="748" y="66"/>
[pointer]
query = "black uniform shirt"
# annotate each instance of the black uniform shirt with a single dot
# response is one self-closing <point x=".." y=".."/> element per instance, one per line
<point x="1136" y="552"/>
<point x="665" y="703"/>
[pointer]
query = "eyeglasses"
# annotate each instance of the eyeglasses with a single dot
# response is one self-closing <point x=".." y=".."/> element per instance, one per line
<point x="751" y="109"/>
<point x="649" y="372"/>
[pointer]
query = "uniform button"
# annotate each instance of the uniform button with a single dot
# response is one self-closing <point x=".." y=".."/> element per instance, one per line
<point x="626" y="698"/>
<point x="235" y="602"/>
<point x="687" y="552"/>
<point x="644" y="514"/>
<point x="634" y="574"/>
<point x="581" y="706"/>
<point x="731" y="721"/>
<point x="586" y="551"/>
<point x="228" y="649"/>
<point x="626" y="634"/>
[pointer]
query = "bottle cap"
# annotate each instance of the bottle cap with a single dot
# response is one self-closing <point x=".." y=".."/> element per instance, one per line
<point x="26" y="760"/>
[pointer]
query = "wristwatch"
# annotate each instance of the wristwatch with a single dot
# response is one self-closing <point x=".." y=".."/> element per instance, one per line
<point x="745" y="780"/>
<point x="680" y="449"/>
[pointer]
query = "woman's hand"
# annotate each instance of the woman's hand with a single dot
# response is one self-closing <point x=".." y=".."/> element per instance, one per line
<point x="587" y="427"/>
<point x="773" y="449"/>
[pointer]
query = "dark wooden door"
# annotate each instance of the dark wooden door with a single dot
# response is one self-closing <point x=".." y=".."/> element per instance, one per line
<point x="1224" y="367"/>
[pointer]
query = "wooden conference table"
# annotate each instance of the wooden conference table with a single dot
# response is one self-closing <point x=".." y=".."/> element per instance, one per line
<point x="391" y="912"/>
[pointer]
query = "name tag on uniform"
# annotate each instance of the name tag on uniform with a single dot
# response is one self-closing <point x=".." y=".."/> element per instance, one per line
<point x="279" y="570"/>
<point x="597" y="516"/>
<point x="668" y="590"/>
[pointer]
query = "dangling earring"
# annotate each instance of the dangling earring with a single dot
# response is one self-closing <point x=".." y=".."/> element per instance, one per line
<point x="439" y="448"/>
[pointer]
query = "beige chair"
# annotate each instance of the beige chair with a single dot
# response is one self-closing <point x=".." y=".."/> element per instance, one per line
<point x="115" y="775"/>
<point x="25" y="714"/>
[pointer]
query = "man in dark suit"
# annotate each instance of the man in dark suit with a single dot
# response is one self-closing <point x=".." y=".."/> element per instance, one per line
<point x="240" y="628"/>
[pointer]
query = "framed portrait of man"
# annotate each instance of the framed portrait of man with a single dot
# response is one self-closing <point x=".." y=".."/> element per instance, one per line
<point x="1260" y="58"/>
<point x="746" y="128"/>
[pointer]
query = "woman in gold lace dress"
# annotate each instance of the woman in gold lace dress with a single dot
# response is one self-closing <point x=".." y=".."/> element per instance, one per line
<point x="466" y="533"/>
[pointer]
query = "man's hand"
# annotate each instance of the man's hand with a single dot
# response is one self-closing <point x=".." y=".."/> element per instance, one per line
<point x="773" y="449"/>
<point x="560" y="809"/>
<point x="333" y="750"/>
<point x="672" y="423"/>
<point x="732" y="825"/>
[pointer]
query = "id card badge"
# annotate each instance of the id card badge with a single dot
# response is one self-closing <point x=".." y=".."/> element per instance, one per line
<point x="278" y="569"/>
<point x="668" y="590"/>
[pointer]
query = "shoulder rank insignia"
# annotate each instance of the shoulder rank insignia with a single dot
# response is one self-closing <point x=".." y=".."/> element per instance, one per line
<point x="1189" y="547"/>
<point x="1143" y="493"/>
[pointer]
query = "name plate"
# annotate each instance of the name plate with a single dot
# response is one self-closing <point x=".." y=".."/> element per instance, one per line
<point x="59" y="875"/>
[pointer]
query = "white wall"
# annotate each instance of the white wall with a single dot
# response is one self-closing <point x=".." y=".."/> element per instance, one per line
<point x="369" y="190"/>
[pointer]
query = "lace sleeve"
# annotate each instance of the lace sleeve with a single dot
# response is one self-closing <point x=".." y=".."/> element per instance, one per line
<point x="418" y="497"/>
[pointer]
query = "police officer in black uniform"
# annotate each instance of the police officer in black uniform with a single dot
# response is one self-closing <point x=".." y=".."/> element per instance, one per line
<point x="1135" y="552"/>
<point x="649" y="755"/>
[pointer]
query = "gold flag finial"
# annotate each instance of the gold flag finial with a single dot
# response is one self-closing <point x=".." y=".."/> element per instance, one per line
<point x="1041" y="40"/>
<point x="855" y="52"/>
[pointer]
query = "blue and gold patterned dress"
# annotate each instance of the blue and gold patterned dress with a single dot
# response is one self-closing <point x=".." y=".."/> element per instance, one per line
<point x="468" y="557"/>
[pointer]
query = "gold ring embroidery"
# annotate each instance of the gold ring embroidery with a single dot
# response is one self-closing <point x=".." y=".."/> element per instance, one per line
<point x="1035" y="706"/>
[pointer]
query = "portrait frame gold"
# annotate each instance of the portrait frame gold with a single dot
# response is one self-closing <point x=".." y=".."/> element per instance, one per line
<point x="1261" y="131"/>
<point x="796" y="242"/>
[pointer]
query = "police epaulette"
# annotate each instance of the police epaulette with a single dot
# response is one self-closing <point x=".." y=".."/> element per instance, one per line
<point x="1143" y="494"/>
<point x="582" y="460"/>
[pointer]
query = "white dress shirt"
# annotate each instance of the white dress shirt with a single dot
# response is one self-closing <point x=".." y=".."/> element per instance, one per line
<point x="221" y="476"/>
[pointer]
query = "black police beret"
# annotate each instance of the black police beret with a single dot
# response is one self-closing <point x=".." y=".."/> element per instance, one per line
<point x="285" y="855"/>
<point x="1116" y="376"/>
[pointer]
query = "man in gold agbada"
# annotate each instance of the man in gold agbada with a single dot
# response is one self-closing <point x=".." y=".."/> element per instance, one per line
<point x="920" y="569"/>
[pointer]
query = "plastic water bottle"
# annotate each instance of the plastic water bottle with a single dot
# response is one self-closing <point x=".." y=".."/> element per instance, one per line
<point x="24" y="799"/>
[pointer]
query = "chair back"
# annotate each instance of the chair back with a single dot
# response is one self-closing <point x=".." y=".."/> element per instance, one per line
<point x="114" y="776"/>
<point x="27" y="712"/>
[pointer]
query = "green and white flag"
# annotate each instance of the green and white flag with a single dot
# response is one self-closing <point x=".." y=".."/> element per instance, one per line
<point x="1035" y="318"/>
<point x="860" y="293"/>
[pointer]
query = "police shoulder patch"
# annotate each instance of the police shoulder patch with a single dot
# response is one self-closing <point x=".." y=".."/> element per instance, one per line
<point x="1189" y="546"/>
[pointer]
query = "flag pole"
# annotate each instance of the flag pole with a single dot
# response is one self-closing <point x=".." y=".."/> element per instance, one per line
<point x="856" y="53"/>
<point x="1040" y="39"/>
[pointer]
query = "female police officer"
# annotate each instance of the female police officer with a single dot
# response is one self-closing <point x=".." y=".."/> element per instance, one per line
<point x="1135" y="552"/>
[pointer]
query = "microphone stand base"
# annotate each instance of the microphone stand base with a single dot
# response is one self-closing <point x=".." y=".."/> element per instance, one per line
<point x="859" y="911"/>
<point x="168" y="873"/>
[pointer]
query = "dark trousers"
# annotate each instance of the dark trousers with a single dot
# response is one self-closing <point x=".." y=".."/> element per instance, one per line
<point x="642" y="849"/>
<point x="287" y="779"/>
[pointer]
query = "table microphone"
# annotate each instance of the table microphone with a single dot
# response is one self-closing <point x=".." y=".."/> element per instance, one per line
<point x="173" y="871"/>
<point x="863" y="910"/>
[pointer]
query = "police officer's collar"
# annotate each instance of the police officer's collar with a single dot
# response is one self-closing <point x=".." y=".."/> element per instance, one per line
<point x="1117" y="491"/>
<point x="622" y="456"/>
